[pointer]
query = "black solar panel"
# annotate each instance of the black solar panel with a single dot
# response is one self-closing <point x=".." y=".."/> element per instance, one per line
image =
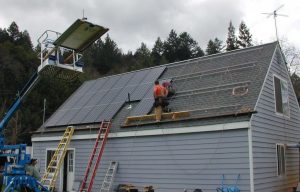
<point x="101" y="99"/>
<point x="81" y="115"/>
<point x="55" y="118"/>
<point x="68" y="116"/>
<point x="123" y="95"/>
<point x="109" y="112"/>
<point x="140" y="92"/>
<point x="96" y="98"/>
<point x="138" y="77"/>
<point x="94" y="114"/>
<point x="143" y="108"/>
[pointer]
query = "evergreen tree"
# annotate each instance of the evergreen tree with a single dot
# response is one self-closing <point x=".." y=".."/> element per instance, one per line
<point x="171" y="46"/>
<point x="244" y="38"/>
<point x="213" y="47"/>
<point x="157" y="52"/>
<point x="231" y="42"/>
<point x="143" y="56"/>
<point x="182" y="47"/>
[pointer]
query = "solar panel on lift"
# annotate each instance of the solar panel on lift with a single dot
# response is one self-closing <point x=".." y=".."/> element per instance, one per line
<point x="80" y="116"/>
<point x="140" y="92"/>
<point x="143" y="108"/>
<point x="94" y="113"/>
<point x="109" y="112"/>
<point x="55" y="118"/>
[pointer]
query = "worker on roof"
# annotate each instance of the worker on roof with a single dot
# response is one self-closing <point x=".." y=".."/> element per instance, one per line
<point x="159" y="93"/>
<point x="169" y="87"/>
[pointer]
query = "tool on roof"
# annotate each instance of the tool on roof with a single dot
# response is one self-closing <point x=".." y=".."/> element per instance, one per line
<point x="109" y="177"/>
<point x="51" y="173"/>
<point x="93" y="164"/>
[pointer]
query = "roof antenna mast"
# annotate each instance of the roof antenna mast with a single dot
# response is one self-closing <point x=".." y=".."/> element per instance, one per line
<point x="83" y="18"/>
<point x="275" y="14"/>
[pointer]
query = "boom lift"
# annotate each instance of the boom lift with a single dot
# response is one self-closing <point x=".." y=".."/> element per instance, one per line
<point x="80" y="35"/>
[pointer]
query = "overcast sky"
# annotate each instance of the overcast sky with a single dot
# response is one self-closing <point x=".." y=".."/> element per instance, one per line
<point x="134" y="21"/>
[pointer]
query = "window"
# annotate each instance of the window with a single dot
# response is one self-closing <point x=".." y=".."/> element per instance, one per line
<point x="280" y="151"/>
<point x="71" y="161"/>
<point x="281" y="96"/>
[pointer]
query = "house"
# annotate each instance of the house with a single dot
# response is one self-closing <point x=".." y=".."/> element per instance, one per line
<point x="243" y="113"/>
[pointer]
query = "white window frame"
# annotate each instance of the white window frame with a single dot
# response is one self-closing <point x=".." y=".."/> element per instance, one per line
<point x="281" y="159"/>
<point x="283" y="82"/>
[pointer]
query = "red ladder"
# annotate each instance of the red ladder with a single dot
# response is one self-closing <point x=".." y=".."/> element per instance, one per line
<point x="88" y="180"/>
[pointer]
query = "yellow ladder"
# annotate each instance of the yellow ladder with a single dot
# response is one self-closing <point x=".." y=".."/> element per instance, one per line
<point x="50" y="176"/>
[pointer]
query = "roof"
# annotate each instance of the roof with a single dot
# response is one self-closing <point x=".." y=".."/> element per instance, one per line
<point x="210" y="86"/>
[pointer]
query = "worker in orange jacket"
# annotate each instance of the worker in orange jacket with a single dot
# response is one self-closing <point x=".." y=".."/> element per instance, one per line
<point x="159" y="93"/>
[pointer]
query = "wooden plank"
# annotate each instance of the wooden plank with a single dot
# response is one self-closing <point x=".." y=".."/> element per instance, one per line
<point x="170" y="115"/>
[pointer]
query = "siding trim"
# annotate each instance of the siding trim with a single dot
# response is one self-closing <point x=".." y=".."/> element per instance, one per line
<point x="169" y="131"/>
<point x="251" y="160"/>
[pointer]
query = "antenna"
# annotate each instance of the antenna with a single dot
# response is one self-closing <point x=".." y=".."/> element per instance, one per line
<point x="83" y="18"/>
<point x="275" y="14"/>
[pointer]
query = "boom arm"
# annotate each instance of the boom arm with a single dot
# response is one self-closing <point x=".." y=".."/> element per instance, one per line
<point x="15" y="106"/>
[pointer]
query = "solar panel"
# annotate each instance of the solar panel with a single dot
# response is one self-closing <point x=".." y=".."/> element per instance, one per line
<point x="153" y="74"/>
<point x="68" y="116"/>
<point x="85" y="87"/>
<point x="143" y="108"/>
<point x="109" y="97"/>
<point x="140" y="91"/>
<point x="101" y="99"/>
<point x="80" y="116"/>
<point x="122" y="82"/>
<point x="109" y="112"/>
<point x="138" y="77"/>
<point x="96" y="98"/>
<point x="110" y="82"/>
<point x="94" y="113"/>
<point x="83" y="100"/>
<point x="99" y="84"/>
<point x="123" y="95"/>
<point x="55" y="118"/>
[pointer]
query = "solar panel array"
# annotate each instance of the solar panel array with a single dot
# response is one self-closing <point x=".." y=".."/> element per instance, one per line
<point x="101" y="99"/>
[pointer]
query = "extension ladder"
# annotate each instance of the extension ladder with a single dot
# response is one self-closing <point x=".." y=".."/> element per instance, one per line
<point x="97" y="151"/>
<point x="57" y="159"/>
<point x="109" y="177"/>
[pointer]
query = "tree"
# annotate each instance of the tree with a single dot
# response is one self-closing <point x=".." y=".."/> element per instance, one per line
<point x="214" y="47"/>
<point x="143" y="56"/>
<point x="244" y="38"/>
<point x="231" y="42"/>
<point x="157" y="52"/>
<point x="170" y="46"/>
<point x="182" y="47"/>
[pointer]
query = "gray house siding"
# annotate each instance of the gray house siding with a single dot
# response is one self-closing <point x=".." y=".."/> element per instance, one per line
<point x="168" y="162"/>
<point x="269" y="128"/>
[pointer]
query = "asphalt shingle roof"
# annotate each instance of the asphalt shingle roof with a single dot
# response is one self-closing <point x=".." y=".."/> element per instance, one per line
<point x="226" y="83"/>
